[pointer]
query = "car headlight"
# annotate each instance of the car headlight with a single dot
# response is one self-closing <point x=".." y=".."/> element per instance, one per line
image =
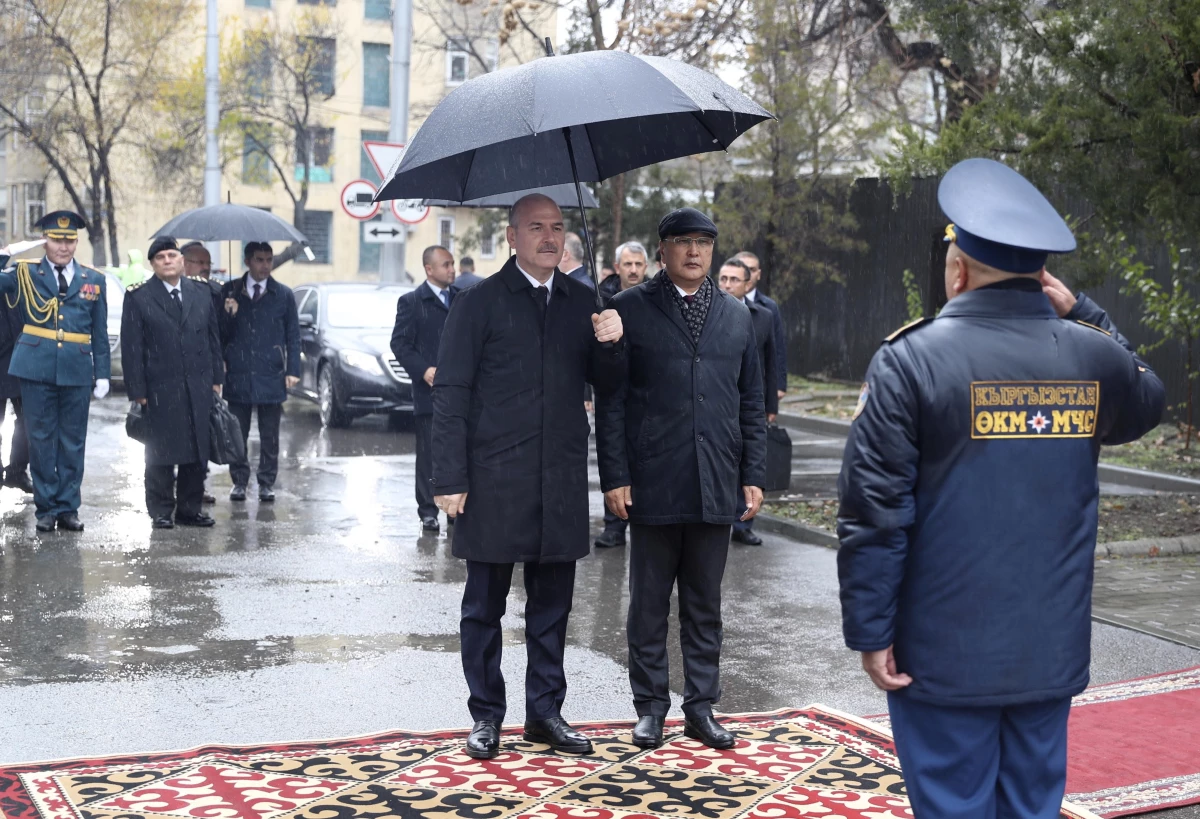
<point x="362" y="361"/>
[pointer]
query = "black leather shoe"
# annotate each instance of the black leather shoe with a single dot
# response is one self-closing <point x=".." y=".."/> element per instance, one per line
<point x="709" y="731"/>
<point x="19" y="481"/>
<point x="648" y="733"/>
<point x="746" y="536"/>
<point x="238" y="493"/>
<point x="484" y="741"/>
<point x="201" y="520"/>
<point x="610" y="538"/>
<point x="209" y="498"/>
<point x="46" y="523"/>
<point x="164" y="522"/>
<point x="266" y="494"/>
<point x="430" y="524"/>
<point x="70" y="521"/>
<point x="558" y="735"/>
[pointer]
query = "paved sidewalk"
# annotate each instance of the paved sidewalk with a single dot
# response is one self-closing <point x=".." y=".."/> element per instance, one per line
<point x="1155" y="595"/>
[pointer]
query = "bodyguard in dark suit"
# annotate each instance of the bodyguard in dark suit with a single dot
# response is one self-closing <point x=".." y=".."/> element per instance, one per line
<point x="466" y="274"/>
<point x="197" y="266"/>
<point x="969" y="501"/>
<point x="510" y="462"/>
<point x="16" y="473"/>
<point x="260" y="334"/>
<point x="779" y="336"/>
<point x="676" y="442"/>
<point x="420" y="317"/>
<point x="172" y="360"/>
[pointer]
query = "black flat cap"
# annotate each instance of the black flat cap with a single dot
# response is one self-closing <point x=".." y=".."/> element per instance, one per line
<point x="686" y="220"/>
<point x="160" y="244"/>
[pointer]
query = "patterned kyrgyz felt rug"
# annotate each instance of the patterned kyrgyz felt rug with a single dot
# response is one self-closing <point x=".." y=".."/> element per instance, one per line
<point x="786" y="765"/>
<point x="1134" y="745"/>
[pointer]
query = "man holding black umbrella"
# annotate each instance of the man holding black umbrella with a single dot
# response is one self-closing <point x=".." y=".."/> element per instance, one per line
<point x="511" y="463"/>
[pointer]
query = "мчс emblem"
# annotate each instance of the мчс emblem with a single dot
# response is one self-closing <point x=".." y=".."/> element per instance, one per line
<point x="1034" y="409"/>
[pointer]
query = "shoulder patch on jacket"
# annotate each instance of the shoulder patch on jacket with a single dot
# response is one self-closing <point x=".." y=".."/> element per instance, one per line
<point x="1094" y="327"/>
<point x="134" y="286"/>
<point x="912" y="325"/>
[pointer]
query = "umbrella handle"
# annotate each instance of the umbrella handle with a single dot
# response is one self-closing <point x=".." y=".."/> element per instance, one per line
<point x="587" y="234"/>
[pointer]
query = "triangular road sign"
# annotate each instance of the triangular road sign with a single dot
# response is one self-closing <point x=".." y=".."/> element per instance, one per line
<point x="384" y="156"/>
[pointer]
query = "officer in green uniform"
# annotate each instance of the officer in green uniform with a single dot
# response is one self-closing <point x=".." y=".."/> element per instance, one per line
<point x="61" y="356"/>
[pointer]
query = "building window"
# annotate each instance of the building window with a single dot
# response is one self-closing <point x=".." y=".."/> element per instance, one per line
<point x="377" y="9"/>
<point x="369" y="253"/>
<point x="318" y="228"/>
<point x="458" y="62"/>
<point x="256" y="167"/>
<point x="4" y="214"/>
<point x="446" y="232"/>
<point x="258" y="4"/>
<point x="487" y="245"/>
<point x="314" y="154"/>
<point x="366" y="168"/>
<point x="319" y="54"/>
<point x="377" y="69"/>
<point x="258" y="68"/>
<point x="316" y="2"/>
<point x="35" y="204"/>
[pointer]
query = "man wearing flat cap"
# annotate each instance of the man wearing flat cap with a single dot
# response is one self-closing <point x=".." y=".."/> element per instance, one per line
<point x="172" y="357"/>
<point x="680" y="439"/>
<point x="61" y="355"/>
<point x="968" y="506"/>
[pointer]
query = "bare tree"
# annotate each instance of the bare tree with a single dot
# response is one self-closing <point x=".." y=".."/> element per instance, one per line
<point x="95" y="65"/>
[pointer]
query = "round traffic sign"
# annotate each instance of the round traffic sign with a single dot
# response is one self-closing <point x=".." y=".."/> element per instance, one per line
<point x="356" y="200"/>
<point x="409" y="211"/>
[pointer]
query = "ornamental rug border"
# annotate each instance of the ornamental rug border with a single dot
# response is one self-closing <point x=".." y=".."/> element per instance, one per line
<point x="787" y="764"/>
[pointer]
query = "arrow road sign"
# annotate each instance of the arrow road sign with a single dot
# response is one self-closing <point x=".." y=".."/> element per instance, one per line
<point x="380" y="233"/>
<point x="356" y="200"/>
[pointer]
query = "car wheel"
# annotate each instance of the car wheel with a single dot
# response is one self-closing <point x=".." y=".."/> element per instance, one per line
<point x="333" y="415"/>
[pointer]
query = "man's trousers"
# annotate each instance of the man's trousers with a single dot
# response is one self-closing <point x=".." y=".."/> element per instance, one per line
<point x="167" y="494"/>
<point x="692" y="555"/>
<point x="998" y="762"/>
<point x="18" y="447"/>
<point x="549" y="588"/>
<point x="268" y="443"/>
<point x="56" y="420"/>
<point x="424" y="480"/>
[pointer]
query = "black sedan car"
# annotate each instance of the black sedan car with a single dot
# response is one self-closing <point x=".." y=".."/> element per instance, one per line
<point x="346" y="364"/>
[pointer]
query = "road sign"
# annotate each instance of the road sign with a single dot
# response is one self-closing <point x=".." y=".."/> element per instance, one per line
<point x="384" y="156"/>
<point x="383" y="233"/>
<point x="356" y="200"/>
<point x="409" y="211"/>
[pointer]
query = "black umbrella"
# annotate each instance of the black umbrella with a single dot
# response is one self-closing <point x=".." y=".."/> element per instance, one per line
<point x="563" y="195"/>
<point x="231" y="223"/>
<point x="576" y="118"/>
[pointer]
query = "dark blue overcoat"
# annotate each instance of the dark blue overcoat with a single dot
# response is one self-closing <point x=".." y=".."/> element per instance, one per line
<point x="261" y="343"/>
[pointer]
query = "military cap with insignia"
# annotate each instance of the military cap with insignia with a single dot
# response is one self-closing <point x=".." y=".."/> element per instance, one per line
<point x="999" y="218"/>
<point x="61" y="224"/>
<point x="685" y="220"/>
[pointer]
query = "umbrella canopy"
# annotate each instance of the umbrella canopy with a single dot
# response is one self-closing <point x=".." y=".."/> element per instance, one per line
<point x="622" y="111"/>
<point x="230" y="223"/>
<point x="563" y="196"/>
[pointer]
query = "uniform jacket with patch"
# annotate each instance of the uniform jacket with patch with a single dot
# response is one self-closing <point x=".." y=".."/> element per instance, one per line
<point x="969" y="494"/>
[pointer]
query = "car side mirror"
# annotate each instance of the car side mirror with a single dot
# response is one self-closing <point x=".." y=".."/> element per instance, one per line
<point x="307" y="322"/>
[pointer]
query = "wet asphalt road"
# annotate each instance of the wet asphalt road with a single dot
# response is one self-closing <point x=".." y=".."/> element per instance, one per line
<point x="329" y="614"/>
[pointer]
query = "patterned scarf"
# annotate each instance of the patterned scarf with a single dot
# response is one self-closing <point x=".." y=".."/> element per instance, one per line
<point x="696" y="312"/>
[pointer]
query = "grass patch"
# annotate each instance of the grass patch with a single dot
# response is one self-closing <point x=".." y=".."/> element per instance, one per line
<point x="1160" y="450"/>
<point x="819" y="513"/>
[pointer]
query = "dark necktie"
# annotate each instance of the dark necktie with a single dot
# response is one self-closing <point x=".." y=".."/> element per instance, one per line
<point x="540" y="295"/>
<point x="176" y="305"/>
<point x="446" y="298"/>
<point x="688" y="299"/>
<point x="62" y="281"/>
<point x="257" y="291"/>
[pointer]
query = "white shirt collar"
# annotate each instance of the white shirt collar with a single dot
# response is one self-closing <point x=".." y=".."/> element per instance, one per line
<point x="250" y="282"/>
<point x="752" y="295"/>
<point x="549" y="285"/>
<point x="68" y="270"/>
<point x="178" y="286"/>
<point x="685" y="293"/>
<point x="437" y="291"/>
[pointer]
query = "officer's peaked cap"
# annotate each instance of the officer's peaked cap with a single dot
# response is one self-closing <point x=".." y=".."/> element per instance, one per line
<point x="61" y="224"/>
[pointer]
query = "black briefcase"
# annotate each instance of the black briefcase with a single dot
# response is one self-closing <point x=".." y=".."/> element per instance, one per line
<point x="225" y="442"/>
<point x="779" y="459"/>
<point x="137" y="425"/>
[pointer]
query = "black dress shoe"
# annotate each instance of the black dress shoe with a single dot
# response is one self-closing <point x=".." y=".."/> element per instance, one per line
<point x="648" y="733"/>
<point x="201" y="520"/>
<point x="19" y="481"/>
<point x="209" y="498"/>
<point x="610" y="538"/>
<point x="430" y="524"/>
<point x="163" y="522"/>
<point x="238" y="493"/>
<point x="484" y="741"/>
<point x="746" y="536"/>
<point x="266" y="494"/>
<point x="558" y="735"/>
<point x="709" y="731"/>
<point x="70" y="521"/>
<point x="46" y="523"/>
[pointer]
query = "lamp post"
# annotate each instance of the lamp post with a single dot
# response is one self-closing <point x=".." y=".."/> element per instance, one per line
<point x="392" y="255"/>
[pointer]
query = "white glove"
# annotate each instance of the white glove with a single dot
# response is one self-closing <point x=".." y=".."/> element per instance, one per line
<point x="101" y="388"/>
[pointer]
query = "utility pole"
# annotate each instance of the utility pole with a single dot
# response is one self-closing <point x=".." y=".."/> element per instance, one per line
<point x="212" y="115"/>
<point x="392" y="256"/>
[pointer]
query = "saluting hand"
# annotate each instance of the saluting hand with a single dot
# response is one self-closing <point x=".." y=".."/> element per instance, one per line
<point x="753" y="497"/>
<point x="617" y="500"/>
<point x="1061" y="297"/>
<point x="452" y="505"/>
<point x="608" y="326"/>
<point x="881" y="668"/>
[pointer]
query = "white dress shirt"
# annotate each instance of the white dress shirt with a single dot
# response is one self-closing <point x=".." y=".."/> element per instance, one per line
<point x="172" y="288"/>
<point x="549" y="284"/>
<point x="68" y="272"/>
<point x="752" y="295"/>
<point x="262" y="286"/>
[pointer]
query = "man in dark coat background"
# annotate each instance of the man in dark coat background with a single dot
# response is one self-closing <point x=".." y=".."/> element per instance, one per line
<point x="420" y="317"/>
<point x="172" y="361"/>
<point x="16" y="473"/>
<point x="676" y="441"/>
<point x="197" y="265"/>
<point x="779" y="334"/>
<point x="510" y="462"/>
<point x="260" y="331"/>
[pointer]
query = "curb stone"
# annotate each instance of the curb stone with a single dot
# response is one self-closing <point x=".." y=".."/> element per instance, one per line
<point x="796" y="530"/>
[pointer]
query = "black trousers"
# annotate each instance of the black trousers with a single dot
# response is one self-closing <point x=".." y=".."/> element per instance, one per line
<point x="549" y="588"/>
<point x="692" y="555"/>
<point x="167" y="493"/>
<point x="424" y="479"/>
<point x="18" y="448"/>
<point x="268" y="443"/>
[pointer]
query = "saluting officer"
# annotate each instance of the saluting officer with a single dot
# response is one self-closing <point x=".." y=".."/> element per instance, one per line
<point x="968" y="506"/>
<point x="61" y="353"/>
